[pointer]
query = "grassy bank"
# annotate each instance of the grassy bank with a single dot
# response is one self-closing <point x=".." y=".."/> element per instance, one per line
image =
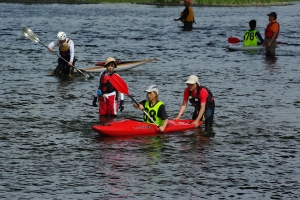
<point x="163" y="2"/>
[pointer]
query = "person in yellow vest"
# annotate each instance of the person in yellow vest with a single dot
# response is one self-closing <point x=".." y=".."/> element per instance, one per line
<point x="66" y="51"/>
<point x="187" y="16"/>
<point x="252" y="35"/>
<point x="155" y="108"/>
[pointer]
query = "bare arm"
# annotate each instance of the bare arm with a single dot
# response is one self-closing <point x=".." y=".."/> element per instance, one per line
<point x="139" y="106"/>
<point x="181" y="110"/>
<point x="162" y="127"/>
<point x="201" y="112"/>
<point x="272" y="39"/>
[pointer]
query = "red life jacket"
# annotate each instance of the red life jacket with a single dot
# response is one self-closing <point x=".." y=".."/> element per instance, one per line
<point x="105" y="85"/>
<point x="269" y="32"/>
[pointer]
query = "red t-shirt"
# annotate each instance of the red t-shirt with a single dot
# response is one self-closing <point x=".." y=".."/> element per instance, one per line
<point x="203" y="95"/>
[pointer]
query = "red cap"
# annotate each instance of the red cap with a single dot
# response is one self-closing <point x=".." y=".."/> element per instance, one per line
<point x="187" y="1"/>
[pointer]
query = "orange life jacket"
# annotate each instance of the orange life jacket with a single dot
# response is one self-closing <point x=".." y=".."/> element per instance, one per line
<point x="269" y="32"/>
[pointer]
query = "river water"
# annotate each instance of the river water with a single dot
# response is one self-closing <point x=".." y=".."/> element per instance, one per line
<point x="49" y="151"/>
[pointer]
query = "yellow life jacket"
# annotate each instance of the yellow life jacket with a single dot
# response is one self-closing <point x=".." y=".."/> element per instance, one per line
<point x="250" y="38"/>
<point x="64" y="47"/>
<point x="190" y="17"/>
<point x="153" y="111"/>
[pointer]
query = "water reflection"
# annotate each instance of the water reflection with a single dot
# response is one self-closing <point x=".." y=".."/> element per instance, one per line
<point x="154" y="147"/>
<point x="205" y="133"/>
<point x="271" y="61"/>
<point x="271" y="64"/>
<point x="105" y="119"/>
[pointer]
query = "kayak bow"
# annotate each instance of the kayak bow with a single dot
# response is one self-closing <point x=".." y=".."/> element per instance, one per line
<point x="121" y="66"/>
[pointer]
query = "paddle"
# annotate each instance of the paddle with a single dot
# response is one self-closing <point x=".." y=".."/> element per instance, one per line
<point x="122" y="87"/>
<point x="33" y="37"/>
<point x="119" y="62"/>
<point x="234" y="40"/>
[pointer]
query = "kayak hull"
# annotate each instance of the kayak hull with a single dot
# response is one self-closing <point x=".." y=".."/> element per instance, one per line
<point x="127" y="127"/>
<point x="121" y="66"/>
<point x="244" y="48"/>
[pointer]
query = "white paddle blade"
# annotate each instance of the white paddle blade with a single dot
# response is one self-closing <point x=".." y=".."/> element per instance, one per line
<point x="30" y="34"/>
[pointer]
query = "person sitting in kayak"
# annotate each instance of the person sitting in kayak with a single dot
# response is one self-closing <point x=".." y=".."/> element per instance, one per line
<point x="106" y="93"/>
<point x="155" y="108"/>
<point x="201" y="98"/>
<point x="187" y="16"/>
<point x="66" y="51"/>
<point x="252" y="35"/>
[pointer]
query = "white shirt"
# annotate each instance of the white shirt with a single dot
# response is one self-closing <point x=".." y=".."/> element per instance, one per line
<point x="71" y="47"/>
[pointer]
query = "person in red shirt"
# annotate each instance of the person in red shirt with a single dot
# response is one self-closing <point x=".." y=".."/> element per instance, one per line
<point x="271" y="34"/>
<point x="201" y="98"/>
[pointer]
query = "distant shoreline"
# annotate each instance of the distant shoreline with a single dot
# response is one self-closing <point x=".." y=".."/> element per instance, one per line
<point x="222" y="5"/>
<point x="144" y="3"/>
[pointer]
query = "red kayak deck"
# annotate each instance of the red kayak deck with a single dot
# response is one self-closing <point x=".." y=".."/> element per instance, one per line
<point x="134" y="127"/>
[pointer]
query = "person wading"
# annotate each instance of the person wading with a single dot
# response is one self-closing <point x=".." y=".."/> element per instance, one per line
<point x="271" y="34"/>
<point x="106" y="93"/>
<point x="187" y="16"/>
<point x="201" y="98"/>
<point x="66" y="51"/>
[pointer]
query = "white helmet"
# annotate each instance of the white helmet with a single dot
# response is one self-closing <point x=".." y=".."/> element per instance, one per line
<point x="61" y="35"/>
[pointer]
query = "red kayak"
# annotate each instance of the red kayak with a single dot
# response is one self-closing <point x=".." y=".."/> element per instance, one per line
<point x="134" y="127"/>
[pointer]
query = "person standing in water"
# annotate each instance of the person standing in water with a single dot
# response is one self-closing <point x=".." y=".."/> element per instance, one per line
<point x="201" y="98"/>
<point x="187" y="16"/>
<point x="106" y="93"/>
<point x="271" y="34"/>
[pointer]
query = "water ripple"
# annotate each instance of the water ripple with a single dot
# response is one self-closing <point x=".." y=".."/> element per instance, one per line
<point x="49" y="151"/>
